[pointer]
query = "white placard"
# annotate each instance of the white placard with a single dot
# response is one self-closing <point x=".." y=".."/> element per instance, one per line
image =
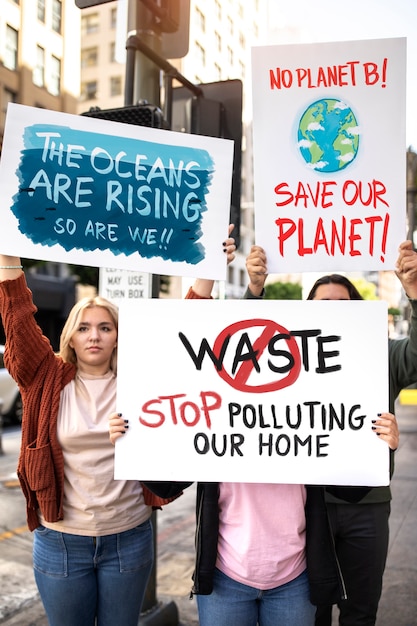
<point x="249" y="391"/>
<point x="330" y="154"/>
<point x="92" y="192"/>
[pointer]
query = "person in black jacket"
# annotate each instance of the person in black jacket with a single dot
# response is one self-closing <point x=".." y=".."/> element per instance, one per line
<point x="250" y="543"/>
<point x="347" y="527"/>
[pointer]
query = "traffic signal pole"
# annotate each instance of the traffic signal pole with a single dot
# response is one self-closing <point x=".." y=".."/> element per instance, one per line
<point x="142" y="83"/>
<point x="142" y="80"/>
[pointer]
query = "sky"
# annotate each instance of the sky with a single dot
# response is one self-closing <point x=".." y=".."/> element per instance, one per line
<point x="311" y="21"/>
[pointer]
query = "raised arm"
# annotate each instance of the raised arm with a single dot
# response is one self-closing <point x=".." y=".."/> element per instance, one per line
<point x="257" y="271"/>
<point x="403" y="352"/>
<point x="10" y="267"/>
<point x="203" y="287"/>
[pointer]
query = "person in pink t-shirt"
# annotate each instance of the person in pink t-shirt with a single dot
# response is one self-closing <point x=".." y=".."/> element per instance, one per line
<point x="250" y="541"/>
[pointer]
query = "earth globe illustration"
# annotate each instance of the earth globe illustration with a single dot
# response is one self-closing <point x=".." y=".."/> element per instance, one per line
<point x="328" y="135"/>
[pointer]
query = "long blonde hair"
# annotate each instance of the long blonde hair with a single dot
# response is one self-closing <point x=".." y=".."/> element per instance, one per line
<point x="65" y="351"/>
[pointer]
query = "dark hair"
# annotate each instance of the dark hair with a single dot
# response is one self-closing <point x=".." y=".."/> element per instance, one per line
<point x="335" y="279"/>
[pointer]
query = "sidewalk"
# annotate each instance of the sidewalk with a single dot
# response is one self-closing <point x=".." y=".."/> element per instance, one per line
<point x="20" y="605"/>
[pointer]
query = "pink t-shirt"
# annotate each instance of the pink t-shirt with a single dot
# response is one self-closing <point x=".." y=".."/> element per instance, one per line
<point x="262" y="533"/>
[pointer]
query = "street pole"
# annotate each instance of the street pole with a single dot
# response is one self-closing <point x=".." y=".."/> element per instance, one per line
<point x="142" y="75"/>
<point x="142" y="83"/>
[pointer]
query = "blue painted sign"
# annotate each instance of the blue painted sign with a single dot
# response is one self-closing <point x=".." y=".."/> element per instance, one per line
<point x="79" y="190"/>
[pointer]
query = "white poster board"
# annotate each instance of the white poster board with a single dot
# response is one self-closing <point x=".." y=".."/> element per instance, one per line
<point x="250" y="391"/>
<point x="92" y="192"/>
<point x="330" y="154"/>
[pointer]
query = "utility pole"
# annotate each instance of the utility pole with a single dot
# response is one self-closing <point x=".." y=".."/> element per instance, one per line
<point x="142" y="83"/>
<point x="142" y="76"/>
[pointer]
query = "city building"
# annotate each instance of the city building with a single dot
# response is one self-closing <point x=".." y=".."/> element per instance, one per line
<point x="219" y="41"/>
<point x="56" y="56"/>
<point x="39" y="55"/>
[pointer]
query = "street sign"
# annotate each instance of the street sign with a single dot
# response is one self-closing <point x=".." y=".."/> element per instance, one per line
<point x="119" y="285"/>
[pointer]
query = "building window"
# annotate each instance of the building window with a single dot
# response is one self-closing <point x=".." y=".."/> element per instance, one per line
<point x="89" y="57"/>
<point x="201" y="59"/>
<point x="89" y="90"/>
<point x="112" y="52"/>
<point x="230" y="25"/>
<point x="230" y="55"/>
<point x="218" y="10"/>
<point x="230" y="275"/>
<point x="90" y="24"/>
<point x="242" y="278"/>
<point x="56" y="15"/>
<point x="218" y="41"/>
<point x="242" y="40"/>
<point x="218" y="71"/>
<point x="115" y="85"/>
<point x="113" y="19"/>
<point x="41" y="11"/>
<point x="10" y="54"/>
<point x="55" y="78"/>
<point x="200" y="20"/>
<point x="38" y="75"/>
<point x="8" y="96"/>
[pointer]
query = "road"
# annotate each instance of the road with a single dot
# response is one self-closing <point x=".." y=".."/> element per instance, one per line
<point x="19" y="605"/>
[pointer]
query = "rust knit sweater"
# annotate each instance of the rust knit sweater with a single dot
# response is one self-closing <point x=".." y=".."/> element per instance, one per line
<point x="41" y="376"/>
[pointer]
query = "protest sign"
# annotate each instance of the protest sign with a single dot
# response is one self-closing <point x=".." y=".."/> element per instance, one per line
<point x="330" y="154"/>
<point x="253" y="391"/>
<point x="92" y="192"/>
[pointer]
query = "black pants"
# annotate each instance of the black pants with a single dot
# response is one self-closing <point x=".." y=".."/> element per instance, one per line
<point x="361" y="538"/>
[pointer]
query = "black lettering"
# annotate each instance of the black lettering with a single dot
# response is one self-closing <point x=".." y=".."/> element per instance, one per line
<point x="205" y="348"/>
<point x="322" y="355"/>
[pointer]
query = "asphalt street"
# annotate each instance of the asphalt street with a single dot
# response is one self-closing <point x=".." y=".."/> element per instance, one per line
<point x="169" y="602"/>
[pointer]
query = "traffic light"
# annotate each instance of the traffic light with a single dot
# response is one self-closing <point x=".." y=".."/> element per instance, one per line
<point x="86" y="4"/>
<point x="141" y="114"/>
<point x="217" y="112"/>
<point x="175" y="44"/>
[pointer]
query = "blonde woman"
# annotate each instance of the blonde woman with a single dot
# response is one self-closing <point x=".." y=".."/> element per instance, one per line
<point x="93" y="547"/>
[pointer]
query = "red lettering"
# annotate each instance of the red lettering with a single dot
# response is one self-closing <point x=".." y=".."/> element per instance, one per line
<point x="301" y="75"/>
<point x="188" y="412"/>
<point x="325" y="193"/>
<point x="371" y="221"/>
<point x="319" y="195"/>
<point x="321" y="78"/>
<point x="283" y="232"/>
<point x="302" y="195"/>
<point x="287" y="194"/>
<point x="320" y="237"/>
<point x="302" y="250"/>
<point x="146" y="409"/>
<point x="344" y="236"/>
<point x="206" y="408"/>
<point x="280" y="78"/>
<point x="354" y="192"/>
<point x="371" y="73"/>
<point x="335" y="238"/>
<point x="354" y="237"/>
<point x="352" y="65"/>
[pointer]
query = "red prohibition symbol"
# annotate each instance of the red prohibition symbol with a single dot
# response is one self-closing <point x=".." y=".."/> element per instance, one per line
<point x="267" y="330"/>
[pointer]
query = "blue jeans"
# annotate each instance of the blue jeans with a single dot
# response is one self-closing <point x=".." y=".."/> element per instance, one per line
<point x="81" y="579"/>
<point x="234" y="604"/>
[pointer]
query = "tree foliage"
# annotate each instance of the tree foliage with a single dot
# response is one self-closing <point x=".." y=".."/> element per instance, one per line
<point x="283" y="291"/>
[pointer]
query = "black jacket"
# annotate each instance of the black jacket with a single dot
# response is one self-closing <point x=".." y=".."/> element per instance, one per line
<point x="326" y="579"/>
